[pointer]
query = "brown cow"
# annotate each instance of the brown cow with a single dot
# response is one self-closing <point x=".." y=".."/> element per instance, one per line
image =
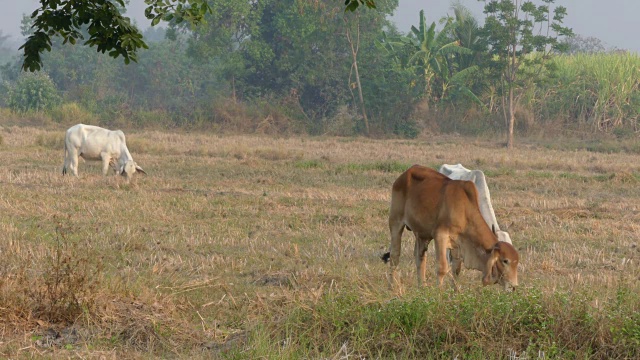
<point x="436" y="207"/>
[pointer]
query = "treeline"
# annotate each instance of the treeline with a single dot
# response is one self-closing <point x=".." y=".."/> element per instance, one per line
<point x="300" y="67"/>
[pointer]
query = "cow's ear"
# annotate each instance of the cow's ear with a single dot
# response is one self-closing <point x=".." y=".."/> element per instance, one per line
<point x="488" y="278"/>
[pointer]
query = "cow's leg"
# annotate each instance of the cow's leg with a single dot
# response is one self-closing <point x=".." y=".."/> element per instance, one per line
<point x="396" y="227"/>
<point x="456" y="262"/>
<point x="114" y="166"/>
<point x="421" y="258"/>
<point x="456" y="267"/>
<point x="106" y="160"/>
<point x="71" y="161"/>
<point x="442" y="238"/>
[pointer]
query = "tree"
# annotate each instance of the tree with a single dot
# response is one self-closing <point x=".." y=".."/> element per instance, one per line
<point x="430" y="54"/>
<point x="578" y="44"/>
<point x="521" y="38"/>
<point x="290" y="50"/>
<point x="5" y="49"/>
<point x="32" y="92"/>
<point x="354" y="44"/>
<point x="109" y="30"/>
<point x="3" y="40"/>
<point x="352" y="5"/>
<point x="223" y="36"/>
<point x="152" y="34"/>
<point x="469" y="35"/>
<point x="466" y="79"/>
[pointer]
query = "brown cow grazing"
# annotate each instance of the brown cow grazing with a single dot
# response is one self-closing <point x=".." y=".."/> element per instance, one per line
<point x="436" y="207"/>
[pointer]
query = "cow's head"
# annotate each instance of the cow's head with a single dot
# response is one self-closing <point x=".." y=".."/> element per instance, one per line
<point x="129" y="168"/>
<point x="502" y="266"/>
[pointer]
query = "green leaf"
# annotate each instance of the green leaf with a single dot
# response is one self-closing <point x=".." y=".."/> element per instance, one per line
<point x="204" y="9"/>
<point x="353" y="6"/>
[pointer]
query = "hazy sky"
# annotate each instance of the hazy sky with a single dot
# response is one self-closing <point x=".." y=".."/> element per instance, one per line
<point x="615" y="22"/>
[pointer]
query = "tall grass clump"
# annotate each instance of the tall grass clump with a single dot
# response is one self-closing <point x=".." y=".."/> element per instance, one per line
<point x="483" y="324"/>
<point x="58" y="289"/>
<point x="72" y="113"/>
<point x="70" y="281"/>
<point x="600" y="90"/>
<point x="50" y="140"/>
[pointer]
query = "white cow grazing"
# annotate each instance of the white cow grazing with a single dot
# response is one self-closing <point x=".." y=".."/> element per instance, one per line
<point x="95" y="143"/>
<point x="459" y="172"/>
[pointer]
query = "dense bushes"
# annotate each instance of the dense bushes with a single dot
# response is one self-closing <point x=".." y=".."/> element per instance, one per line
<point x="32" y="91"/>
<point x="292" y="72"/>
<point x="596" y="92"/>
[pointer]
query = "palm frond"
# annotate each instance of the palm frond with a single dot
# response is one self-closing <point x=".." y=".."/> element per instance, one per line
<point x="419" y="55"/>
<point x="429" y="40"/>
<point x="454" y="48"/>
<point x="469" y="94"/>
<point x="462" y="75"/>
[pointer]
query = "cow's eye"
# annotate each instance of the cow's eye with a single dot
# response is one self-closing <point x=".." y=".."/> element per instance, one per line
<point x="505" y="261"/>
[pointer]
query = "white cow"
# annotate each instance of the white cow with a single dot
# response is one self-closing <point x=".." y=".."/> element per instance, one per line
<point x="95" y="143"/>
<point x="459" y="172"/>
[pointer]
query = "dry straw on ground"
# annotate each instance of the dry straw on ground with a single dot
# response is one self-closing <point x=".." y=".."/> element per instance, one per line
<point x="231" y="234"/>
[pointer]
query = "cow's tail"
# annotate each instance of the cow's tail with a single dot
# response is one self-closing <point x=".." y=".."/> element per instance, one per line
<point x="64" y="167"/>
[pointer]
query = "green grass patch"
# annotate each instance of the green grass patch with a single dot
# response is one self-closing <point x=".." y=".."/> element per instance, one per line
<point x="483" y="324"/>
<point x="383" y="166"/>
<point x="310" y="164"/>
<point x="501" y="171"/>
<point x="605" y="145"/>
<point x="540" y="174"/>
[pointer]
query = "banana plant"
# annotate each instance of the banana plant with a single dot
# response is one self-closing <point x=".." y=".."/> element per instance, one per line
<point x="431" y="52"/>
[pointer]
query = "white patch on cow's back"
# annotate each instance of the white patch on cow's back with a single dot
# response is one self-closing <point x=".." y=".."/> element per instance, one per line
<point x="459" y="172"/>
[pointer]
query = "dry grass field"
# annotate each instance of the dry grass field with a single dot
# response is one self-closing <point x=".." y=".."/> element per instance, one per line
<point x="259" y="247"/>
